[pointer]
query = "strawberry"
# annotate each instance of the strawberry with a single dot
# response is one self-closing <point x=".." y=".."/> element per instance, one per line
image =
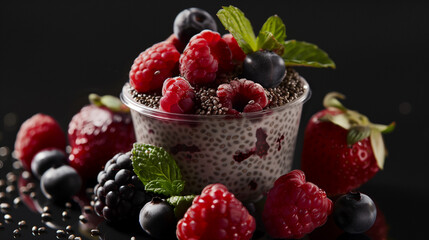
<point x="342" y="148"/>
<point x="97" y="133"/>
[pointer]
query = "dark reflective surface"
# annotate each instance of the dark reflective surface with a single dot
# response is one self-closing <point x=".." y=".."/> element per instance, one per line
<point x="21" y="198"/>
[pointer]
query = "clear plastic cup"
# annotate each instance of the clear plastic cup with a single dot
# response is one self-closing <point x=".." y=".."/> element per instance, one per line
<point x="246" y="153"/>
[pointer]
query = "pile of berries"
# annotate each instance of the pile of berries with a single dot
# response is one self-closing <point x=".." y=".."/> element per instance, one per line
<point x="207" y="60"/>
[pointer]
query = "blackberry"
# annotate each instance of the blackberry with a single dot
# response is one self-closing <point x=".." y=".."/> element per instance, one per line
<point x="119" y="193"/>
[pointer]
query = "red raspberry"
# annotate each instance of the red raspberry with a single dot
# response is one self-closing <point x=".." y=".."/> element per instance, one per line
<point x="237" y="53"/>
<point x="216" y="214"/>
<point x="96" y="134"/>
<point x="176" y="42"/>
<point x="37" y="133"/>
<point x="295" y="207"/>
<point x="205" y="56"/>
<point x="242" y="95"/>
<point x="153" y="66"/>
<point x="177" y="96"/>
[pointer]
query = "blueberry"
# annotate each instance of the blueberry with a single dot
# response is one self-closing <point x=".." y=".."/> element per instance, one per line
<point x="264" y="67"/>
<point x="192" y="21"/>
<point x="354" y="212"/>
<point x="46" y="159"/>
<point x="157" y="219"/>
<point x="60" y="183"/>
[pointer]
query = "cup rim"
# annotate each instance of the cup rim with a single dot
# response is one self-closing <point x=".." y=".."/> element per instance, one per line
<point x="128" y="100"/>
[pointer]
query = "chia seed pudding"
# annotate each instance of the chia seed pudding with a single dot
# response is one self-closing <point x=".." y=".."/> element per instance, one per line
<point x="245" y="152"/>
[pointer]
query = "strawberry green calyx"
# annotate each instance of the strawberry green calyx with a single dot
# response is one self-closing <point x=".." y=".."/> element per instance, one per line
<point x="111" y="102"/>
<point x="272" y="37"/>
<point x="358" y="126"/>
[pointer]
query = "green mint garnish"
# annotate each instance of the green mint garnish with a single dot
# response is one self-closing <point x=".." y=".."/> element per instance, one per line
<point x="297" y="53"/>
<point x="239" y="26"/>
<point x="157" y="170"/>
<point x="181" y="204"/>
<point x="272" y="37"/>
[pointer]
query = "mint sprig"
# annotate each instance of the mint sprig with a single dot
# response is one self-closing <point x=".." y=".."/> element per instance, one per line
<point x="157" y="170"/>
<point x="272" y="37"/>
<point x="239" y="26"/>
<point x="180" y="204"/>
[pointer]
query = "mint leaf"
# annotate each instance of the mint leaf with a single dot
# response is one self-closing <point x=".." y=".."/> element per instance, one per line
<point x="165" y="187"/>
<point x="157" y="169"/>
<point x="275" y="26"/>
<point x="181" y="204"/>
<point x="298" y="53"/>
<point x="239" y="26"/>
<point x="267" y="41"/>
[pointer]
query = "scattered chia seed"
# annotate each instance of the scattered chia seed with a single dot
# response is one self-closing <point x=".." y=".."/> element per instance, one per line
<point x="71" y="237"/>
<point x="2" y="183"/>
<point x="34" y="231"/>
<point x="1" y="226"/>
<point x="87" y="209"/>
<point x="8" y="218"/>
<point x="68" y="205"/>
<point x="4" y="207"/>
<point x="22" y="223"/>
<point x="207" y="103"/>
<point x="65" y="214"/>
<point x="10" y="189"/>
<point x="46" y="209"/>
<point x="17" y="201"/>
<point x="95" y="232"/>
<point x="61" y="234"/>
<point x="69" y="229"/>
<point x="82" y="219"/>
<point x="41" y="230"/>
<point x="46" y="217"/>
<point x="16" y="233"/>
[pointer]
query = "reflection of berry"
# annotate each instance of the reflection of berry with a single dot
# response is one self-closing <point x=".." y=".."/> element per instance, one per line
<point x="119" y="194"/>
<point x="264" y="67"/>
<point x="177" y="96"/>
<point x="216" y="214"/>
<point x="354" y="212"/>
<point x="96" y="134"/>
<point x="206" y="55"/>
<point x="157" y="219"/>
<point x="237" y="53"/>
<point x="153" y="66"/>
<point x="242" y="96"/>
<point x="295" y="207"/>
<point x="37" y="133"/>
<point x="60" y="183"/>
<point x="192" y="21"/>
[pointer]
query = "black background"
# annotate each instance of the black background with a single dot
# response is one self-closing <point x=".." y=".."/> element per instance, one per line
<point x="54" y="53"/>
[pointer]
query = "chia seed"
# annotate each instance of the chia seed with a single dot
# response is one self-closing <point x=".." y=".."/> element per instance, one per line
<point x="207" y="103"/>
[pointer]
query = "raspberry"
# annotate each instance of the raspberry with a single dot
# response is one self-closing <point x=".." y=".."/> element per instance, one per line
<point x="176" y="42"/>
<point x="216" y="214"/>
<point x="242" y="95"/>
<point x="237" y="53"/>
<point x="295" y="207"/>
<point x="96" y="134"/>
<point x="205" y="56"/>
<point x="153" y="66"/>
<point x="177" y="96"/>
<point x="37" y="133"/>
<point x="119" y="193"/>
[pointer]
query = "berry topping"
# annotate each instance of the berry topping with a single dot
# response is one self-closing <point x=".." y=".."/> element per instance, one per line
<point x="216" y="214"/>
<point x="237" y="53"/>
<point x="264" y="67"/>
<point x="344" y="144"/>
<point x="37" y="133"/>
<point x="177" y="96"/>
<point x="119" y="194"/>
<point x="295" y="207"/>
<point x="60" y="183"/>
<point x="354" y="212"/>
<point x="192" y="21"/>
<point x="46" y="159"/>
<point x="242" y="95"/>
<point x="153" y="66"/>
<point x="158" y="220"/>
<point x="206" y="55"/>
<point x="97" y="133"/>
